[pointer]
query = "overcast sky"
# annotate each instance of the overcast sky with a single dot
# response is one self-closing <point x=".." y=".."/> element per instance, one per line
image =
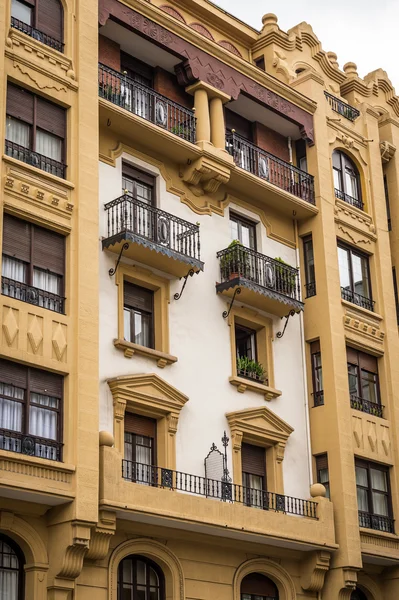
<point x="365" y="32"/>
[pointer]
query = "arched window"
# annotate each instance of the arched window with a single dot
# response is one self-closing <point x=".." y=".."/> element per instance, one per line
<point x="346" y="179"/>
<point x="140" y="579"/>
<point x="358" y="595"/>
<point x="256" y="586"/>
<point x="11" y="570"/>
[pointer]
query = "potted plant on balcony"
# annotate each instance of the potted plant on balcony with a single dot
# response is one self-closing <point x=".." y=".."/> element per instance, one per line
<point x="250" y="369"/>
<point x="235" y="261"/>
<point x="285" y="278"/>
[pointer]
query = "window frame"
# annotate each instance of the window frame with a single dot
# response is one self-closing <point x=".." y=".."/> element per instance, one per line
<point x="320" y="460"/>
<point x="134" y="591"/>
<point x="345" y="162"/>
<point x="248" y="498"/>
<point x="244" y="221"/>
<point x="308" y="256"/>
<point x="141" y="311"/>
<point x="318" y="394"/>
<point x="367" y="464"/>
<point x="137" y="176"/>
<point x="359" y="370"/>
<point x="387" y="203"/>
<point x="21" y="563"/>
<point x="38" y="25"/>
<point x="363" y="256"/>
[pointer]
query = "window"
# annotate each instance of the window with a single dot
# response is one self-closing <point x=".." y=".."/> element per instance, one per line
<point x="358" y="595"/>
<point x="256" y="586"/>
<point x="141" y="188"/>
<point x="354" y="274"/>
<point x="30" y="411"/>
<point x="246" y="351"/>
<point x="322" y="472"/>
<point x="310" y="276"/>
<point x="395" y="291"/>
<point x="346" y="179"/>
<point x="243" y="230"/>
<point x="373" y="496"/>
<point x="363" y="382"/>
<point x="33" y="264"/>
<point x="253" y="462"/>
<point x="140" y="579"/>
<point x="40" y="19"/>
<point x="300" y="150"/>
<point x="138" y="313"/>
<point x="260" y="63"/>
<point x="140" y="441"/>
<point x="317" y="374"/>
<point x="35" y="131"/>
<point x="11" y="570"/>
<point x="388" y="206"/>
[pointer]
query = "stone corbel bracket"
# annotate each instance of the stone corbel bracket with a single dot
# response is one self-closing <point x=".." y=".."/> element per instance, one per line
<point x="75" y="553"/>
<point x="101" y="536"/>
<point x="205" y="175"/>
<point x="387" y="151"/>
<point x="314" y="569"/>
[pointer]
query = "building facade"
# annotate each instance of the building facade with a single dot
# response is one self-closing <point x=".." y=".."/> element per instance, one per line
<point x="199" y="309"/>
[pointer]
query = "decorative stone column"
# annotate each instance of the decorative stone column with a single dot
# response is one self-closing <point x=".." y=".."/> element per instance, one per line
<point x="208" y="102"/>
<point x="218" y="128"/>
<point x="203" y="126"/>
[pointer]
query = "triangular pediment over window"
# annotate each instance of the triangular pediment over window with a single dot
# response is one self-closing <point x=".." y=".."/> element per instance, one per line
<point x="259" y="425"/>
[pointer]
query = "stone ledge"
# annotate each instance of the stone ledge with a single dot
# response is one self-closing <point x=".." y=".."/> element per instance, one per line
<point x="243" y="384"/>
<point x="128" y="348"/>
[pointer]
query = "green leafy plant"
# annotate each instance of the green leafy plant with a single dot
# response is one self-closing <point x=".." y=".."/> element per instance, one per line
<point x="251" y="369"/>
<point x="181" y="130"/>
<point x="235" y="261"/>
<point x="286" y="279"/>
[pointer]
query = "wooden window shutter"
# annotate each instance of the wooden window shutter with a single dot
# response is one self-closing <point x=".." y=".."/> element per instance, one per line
<point x="135" y="296"/>
<point x="13" y="373"/>
<point x="253" y="460"/>
<point x="322" y="462"/>
<point x="16" y="238"/>
<point x="140" y="425"/>
<point x="50" y="18"/>
<point x="352" y="356"/>
<point x="44" y="382"/>
<point x="48" y="250"/>
<point x="19" y="103"/>
<point x="315" y="347"/>
<point x="133" y="173"/>
<point x="50" y="117"/>
<point x="336" y="159"/>
<point x="257" y="584"/>
<point x="368" y="362"/>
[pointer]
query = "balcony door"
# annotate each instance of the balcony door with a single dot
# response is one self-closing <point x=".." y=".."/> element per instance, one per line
<point x="139" y="464"/>
<point x="136" y="88"/>
<point x="253" y="463"/>
<point x="138" y="217"/>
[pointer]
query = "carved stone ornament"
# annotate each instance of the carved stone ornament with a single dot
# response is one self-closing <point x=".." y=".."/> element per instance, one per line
<point x="205" y="175"/>
<point x="387" y="151"/>
<point x="75" y="553"/>
<point x="314" y="569"/>
<point x="101" y="536"/>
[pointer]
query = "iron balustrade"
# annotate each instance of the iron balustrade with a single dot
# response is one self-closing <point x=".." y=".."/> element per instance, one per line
<point x="32" y="295"/>
<point x="145" y="102"/>
<point x="318" y="398"/>
<point x="37" y="34"/>
<point x="241" y="262"/>
<point x="310" y="289"/>
<point x="342" y="108"/>
<point x="357" y="299"/>
<point x="252" y="376"/>
<point x="366" y="406"/>
<point x="35" y="159"/>
<point x="271" y="168"/>
<point x="217" y="489"/>
<point x="378" y="522"/>
<point x="128" y="215"/>
<point x="349" y="199"/>
<point x="31" y="445"/>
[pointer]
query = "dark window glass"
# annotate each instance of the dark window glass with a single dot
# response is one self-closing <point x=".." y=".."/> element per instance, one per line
<point x="140" y="579"/>
<point x="138" y="315"/>
<point x="322" y="472"/>
<point x="363" y="382"/>
<point x="346" y="179"/>
<point x="373" y="495"/>
<point x="137" y="70"/>
<point x="260" y="63"/>
<point x="11" y="570"/>
<point x="140" y="449"/>
<point x="395" y="291"/>
<point x="245" y="342"/>
<point x="300" y="150"/>
<point x="358" y="595"/>
<point x="310" y="277"/>
<point x="354" y="276"/>
<point x="389" y="222"/>
<point x="30" y="411"/>
<point x="257" y="586"/>
<point x="243" y="230"/>
<point x="317" y="374"/>
<point x="253" y="462"/>
<point x="33" y="264"/>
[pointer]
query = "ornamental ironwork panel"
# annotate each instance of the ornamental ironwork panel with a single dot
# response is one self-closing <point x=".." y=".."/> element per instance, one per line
<point x="35" y="159"/>
<point x="32" y="295"/>
<point x="358" y="299"/>
<point x="342" y="108"/>
<point x="30" y="445"/>
<point x="349" y="199"/>
<point x="378" y="522"/>
<point x="366" y="406"/>
<point x="36" y="34"/>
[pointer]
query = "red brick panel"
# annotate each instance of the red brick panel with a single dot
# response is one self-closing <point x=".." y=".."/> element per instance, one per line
<point x="271" y="141"/>
<point x="166" y="84"/>
<point x="109" y="53"/>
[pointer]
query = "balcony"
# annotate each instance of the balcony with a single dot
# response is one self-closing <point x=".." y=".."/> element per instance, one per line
<point x="36" y="34"/>
<point x="264" y="282"/>
<point x="152" y="236"/>
<point x="349" y="199"/>
<point x="358" y="299"/>
<point x="32" y="295"/>
<point x="270" y="168"/>
<point x="30" y="445"/>
<point x="377" y="522"/>
<point x="342" y="108"/>
<point x="370" y="408"/>
<point x="35" y="159"/>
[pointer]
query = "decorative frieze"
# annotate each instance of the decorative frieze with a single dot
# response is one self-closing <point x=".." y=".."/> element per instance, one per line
<point x="371" y="436"/>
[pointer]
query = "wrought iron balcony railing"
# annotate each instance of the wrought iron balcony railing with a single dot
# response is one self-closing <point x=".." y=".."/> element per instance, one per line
<point x="366" y="406"/>
<point x="260" y="272"/>
<point x="146" y="103"/>
<point x="133" y="220"/>
<point x="342" y="108"/>
<point x="35" y="159"/>
<point x="349" y="199"/>
<point x="310" y="289"/>
<point x="271" y="168"/>
<point x="212" y="488"/>
<point x="32" y="295"/>
<point x="37" y="34"/>
<point x="378" y="522"/>
<point x="318" y="398"/>
<point x="357" y="299"/>
<point x="14" y="441"/>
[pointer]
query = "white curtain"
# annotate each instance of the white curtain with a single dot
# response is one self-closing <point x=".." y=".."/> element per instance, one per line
<point x="44" y="280"/>
<point x="141" y="329"/>
<point x="13" y="269"/>
<point x="43" y="422"/>
<point x="9" y="571"/>
<point x="10" y="411"/>
<point x="17" y="132"/>
<point x="21" y="11"/>
<point x="361" y="480"/>
<point x="49" y="145"/>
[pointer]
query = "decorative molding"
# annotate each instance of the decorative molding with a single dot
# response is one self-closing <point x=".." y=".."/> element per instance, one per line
<point x="130" y="349"/>
<point x="10" y="324"/>
<point x="59" y="340"/>
<point x="173" y="13"/>
<point x="387" y="151"/>
<point x="28" y="72"/>
<point x="230" y="47"/>
<point x="202" y="30"/>
<point x="313" y="570"/>
<point x="355" y="322"/>
<point x="101" y="536"/>
<point x="267" y="567"/>
<point x="260" y="425"/>
<point x="206" y="175"/>
<point x="355" y="239"/>
<point x="371" y="436"/>
<point x="28" y="538"/>
<point x="33" y="467"/>
<point x="75" y="553"/>
<point x="358" y="221"/>
<point x="35" y="333"/>
<point x="379" y="542"/>
<point x="243" y="384"/>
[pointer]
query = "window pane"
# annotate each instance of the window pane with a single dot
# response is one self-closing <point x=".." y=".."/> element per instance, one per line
<point x="233" y="230"/>
<point x="43" y="423"/>
<point x="309" y="262"/>
<point x="362" y="500"/>
<point x="44" y="280"/>
<point x="353" y="380"/>
<point x="378" y="480"/>
<point x="127" y="324"/>
<point x="17" y="132"/>
<point x="380" y="504"/>
<point x="369" y="386"/>
<point x="154" y="581"/>
<point x="141" y="572"/>
<point x="343" y="262"/>
<point x="337" y="179"/>
<point x="323" y="475"/>
<point x="127" y="572"/>
<point x="21" y="11"/>
<point x="143" y="455"/>
<point x="49" y="145"/>
<point x="360" y="275"/>
<point x="142" y="329"/>
<point x="154" y="594"/>
<point x="10" y="411"/>
<point x="13" y="269"/>
<point x="361" y="476"/>
<point x="351" y="183"/>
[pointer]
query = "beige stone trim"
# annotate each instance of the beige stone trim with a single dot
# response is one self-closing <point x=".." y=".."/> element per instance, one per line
<point x="129" y="349"/>
<point x="262" y="427"/>
<point x="243" y="384"/>
<point x="151" y="396"/>
<point x="165" y="558"/>
<point x="271" y="569"/>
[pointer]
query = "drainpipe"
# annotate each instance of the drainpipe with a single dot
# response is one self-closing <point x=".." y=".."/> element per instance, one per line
<point x="303" y="352"/>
